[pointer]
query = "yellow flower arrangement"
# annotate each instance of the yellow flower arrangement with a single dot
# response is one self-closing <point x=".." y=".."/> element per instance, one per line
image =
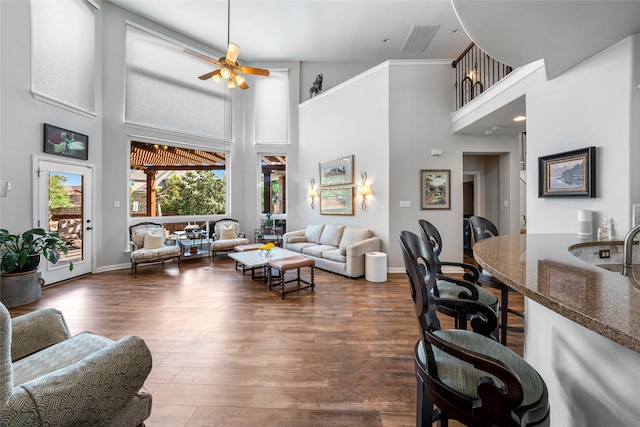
<point x="267" y="247"/>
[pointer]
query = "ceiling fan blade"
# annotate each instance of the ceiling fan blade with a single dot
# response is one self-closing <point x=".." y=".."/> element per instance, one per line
<point x="209" y="75"/>
<point x="201" y="56"/>
<point x="232" y="52"/>
<point x="251" y="70"/>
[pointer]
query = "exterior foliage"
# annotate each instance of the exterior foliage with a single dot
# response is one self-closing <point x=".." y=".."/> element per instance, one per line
<point x="194" y="193"/>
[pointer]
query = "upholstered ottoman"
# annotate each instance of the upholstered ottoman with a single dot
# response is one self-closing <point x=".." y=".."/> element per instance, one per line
<point x="290" y="263"/>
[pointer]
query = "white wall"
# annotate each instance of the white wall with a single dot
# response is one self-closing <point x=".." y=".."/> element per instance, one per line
<point x="593" y="104"/>
<point x="350" y="119"/>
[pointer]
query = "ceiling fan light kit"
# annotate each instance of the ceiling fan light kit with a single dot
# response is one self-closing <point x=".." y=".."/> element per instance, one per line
<point x="228" y="65"/>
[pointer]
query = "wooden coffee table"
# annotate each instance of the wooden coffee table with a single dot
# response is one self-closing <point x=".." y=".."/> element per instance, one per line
<point x="252" y="260"/>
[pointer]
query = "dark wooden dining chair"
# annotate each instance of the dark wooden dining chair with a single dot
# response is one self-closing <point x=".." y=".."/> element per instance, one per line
<point x="482" y="228"/>
<point x="467" y="376"/>
<point x="447" y="287"/>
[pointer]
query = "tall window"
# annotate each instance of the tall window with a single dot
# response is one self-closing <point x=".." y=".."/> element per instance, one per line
<point x="272" y="108"/>
<point x="62" y="46"/>
<point x="163" y="90"/>
<point x="174" y="181"/>
<point x="273" y="194"/>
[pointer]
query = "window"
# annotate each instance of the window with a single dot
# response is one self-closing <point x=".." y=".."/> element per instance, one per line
<point x="174" y="181"/>
<point x="272" y="108"/>
<point x="273" y="184"/>
<point x="163" y="90"/>
<point x="62" y="46"/>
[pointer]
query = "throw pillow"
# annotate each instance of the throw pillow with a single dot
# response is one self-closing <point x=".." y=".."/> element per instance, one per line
<point x="153" y="239"/>
<point x="331" y="235"/>
<point x="313" y="232"/>
<point x="228" y="232"/>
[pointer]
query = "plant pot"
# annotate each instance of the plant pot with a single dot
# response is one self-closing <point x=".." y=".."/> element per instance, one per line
<point x="33" y="261"/>
<point x="20" y="288"/>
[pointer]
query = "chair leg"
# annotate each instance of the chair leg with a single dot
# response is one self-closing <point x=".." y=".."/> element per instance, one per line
<point x="424" y="407"/>
<point x="504" y="312"/>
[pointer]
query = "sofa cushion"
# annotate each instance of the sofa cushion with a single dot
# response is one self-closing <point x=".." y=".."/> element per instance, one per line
<point x="352" y="235"/>
<point x="331" y="235"/>
<point x="334" y="255"/>
<point x="154" y="239"/>
<point x="313" y="232"/>
<point x="299" y="247"/>
<point x="317" y="250"/>
<point x="296" y="239"/>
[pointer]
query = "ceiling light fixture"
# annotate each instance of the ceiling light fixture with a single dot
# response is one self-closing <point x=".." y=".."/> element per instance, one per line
<point x="519" y="118"/>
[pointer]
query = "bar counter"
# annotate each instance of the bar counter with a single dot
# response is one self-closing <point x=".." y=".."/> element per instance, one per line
<point x="582" y="324"/>
<point x="540" y="267"/>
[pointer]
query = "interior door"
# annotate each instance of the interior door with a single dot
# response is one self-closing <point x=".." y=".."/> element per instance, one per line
<point x="64" y="200"/>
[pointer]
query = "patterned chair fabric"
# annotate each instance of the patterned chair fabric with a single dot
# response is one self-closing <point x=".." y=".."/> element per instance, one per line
<point x="158" y="252"/>
<point x="226" y="236"/>
<point x="49" y="378"/>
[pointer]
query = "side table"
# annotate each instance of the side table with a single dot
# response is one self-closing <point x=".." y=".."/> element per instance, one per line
<point x="375" y="266"/>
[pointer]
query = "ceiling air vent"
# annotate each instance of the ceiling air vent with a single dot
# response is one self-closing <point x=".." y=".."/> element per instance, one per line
<point x="418" y="38"/>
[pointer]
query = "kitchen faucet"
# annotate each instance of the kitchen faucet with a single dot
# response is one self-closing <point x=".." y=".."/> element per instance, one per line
<point x="628" y="252"/>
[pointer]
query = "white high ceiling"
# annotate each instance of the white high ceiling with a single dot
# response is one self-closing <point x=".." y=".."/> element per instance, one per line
<point x="310" y="30"/>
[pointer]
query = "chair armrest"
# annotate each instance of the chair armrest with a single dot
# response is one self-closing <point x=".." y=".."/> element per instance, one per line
<point x="37" y="330"/>
<point x="133" y="246"/>
<point x="372" y="244"/>
<point x="482" y="318"/>
<point x="292" y="234"/>
<point x="104" y="381"/>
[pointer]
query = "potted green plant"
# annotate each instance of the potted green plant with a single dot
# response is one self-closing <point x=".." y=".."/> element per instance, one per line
<point x="21" y="282"/>
<point x="268" y="223"/>
<point x="21" y="252"/>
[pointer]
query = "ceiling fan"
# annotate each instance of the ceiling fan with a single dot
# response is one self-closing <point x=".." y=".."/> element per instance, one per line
<point x="228" y="65"/>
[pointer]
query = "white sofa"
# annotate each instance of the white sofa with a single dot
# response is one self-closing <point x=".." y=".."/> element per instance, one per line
<point x="335" y="248"/>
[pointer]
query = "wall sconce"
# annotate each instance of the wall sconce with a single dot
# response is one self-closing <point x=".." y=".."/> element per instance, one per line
<point x="364" y="190"/>
<point x="312" y="192"/>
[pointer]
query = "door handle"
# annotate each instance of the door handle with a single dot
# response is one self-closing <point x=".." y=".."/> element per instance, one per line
<point x="89" y="228"/>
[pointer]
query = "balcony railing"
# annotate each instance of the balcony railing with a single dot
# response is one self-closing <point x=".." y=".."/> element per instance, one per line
<point x="475" y="71"/>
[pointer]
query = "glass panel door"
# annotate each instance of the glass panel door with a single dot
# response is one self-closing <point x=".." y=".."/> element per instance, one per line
<point x="64" y="200"/>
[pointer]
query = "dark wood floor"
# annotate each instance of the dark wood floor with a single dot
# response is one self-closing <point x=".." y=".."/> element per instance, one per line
<point x="228" y="353"/>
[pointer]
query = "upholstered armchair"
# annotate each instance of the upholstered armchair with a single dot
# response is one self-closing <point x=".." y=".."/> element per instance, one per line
<point x="226" y="236"/>
<point x="49" y="378"/>
<point x="148" y="245"/>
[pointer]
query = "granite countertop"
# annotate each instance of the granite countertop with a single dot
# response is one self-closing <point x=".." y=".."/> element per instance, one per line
<point x="540" y="267"/>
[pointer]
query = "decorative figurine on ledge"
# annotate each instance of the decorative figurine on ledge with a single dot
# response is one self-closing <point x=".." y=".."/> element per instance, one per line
<point x="317" y="86"/>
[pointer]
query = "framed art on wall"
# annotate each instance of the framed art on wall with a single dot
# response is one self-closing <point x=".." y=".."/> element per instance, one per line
<point x="568" y="174"/>
<point x="337" y="171"/>
<point x="64" y="142"/>
<point x="336" y="201"/>
<point x="435" y="190"/>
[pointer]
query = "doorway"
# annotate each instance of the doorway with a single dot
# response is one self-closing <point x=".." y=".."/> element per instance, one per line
<point x="64" y="200"/>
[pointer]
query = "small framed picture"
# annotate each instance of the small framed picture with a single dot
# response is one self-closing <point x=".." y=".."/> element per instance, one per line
<point x="65" y="142"/>
<point x="568" y="174"/>
<point x="336" y="172"/>
<point x="336" y="201"/>
<point x="435" y="192"/>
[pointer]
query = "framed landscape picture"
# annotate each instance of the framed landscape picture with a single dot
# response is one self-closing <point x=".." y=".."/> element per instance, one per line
<point x="568" y="174"/>
<point x="435" y="189"/>
<point x="65" y="142"/>
<point x="336" y="201"/>
<point x="336" y="172"/>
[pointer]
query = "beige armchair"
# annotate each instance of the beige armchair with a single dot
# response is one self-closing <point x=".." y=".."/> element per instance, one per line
<point x="49" y="378"/>
<point x="148" y="245"/>
<point x="226" y="236"/>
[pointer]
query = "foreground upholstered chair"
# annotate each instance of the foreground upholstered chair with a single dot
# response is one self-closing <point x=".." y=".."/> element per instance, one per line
<point x="482" y="228"/>
<point x="226" y="236"/>
<point x="448" y="288"/>
<point x="49" y="378"/>
<point x="469" y="377"/>
<point x="148" y="245"/>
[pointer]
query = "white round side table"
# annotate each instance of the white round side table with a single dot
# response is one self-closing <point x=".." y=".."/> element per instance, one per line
<point x="375" y="266"/>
